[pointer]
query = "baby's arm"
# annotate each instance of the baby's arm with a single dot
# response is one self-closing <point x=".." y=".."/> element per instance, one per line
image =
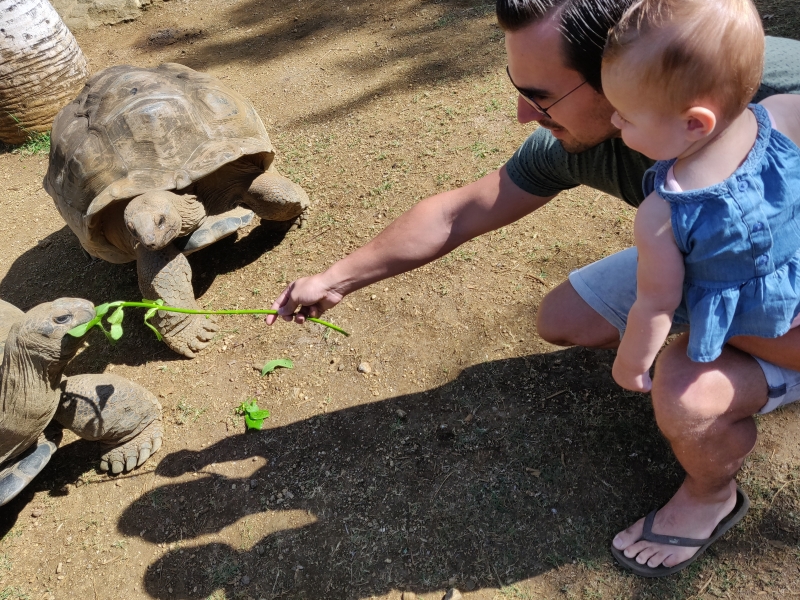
<point x="659" y="289"/>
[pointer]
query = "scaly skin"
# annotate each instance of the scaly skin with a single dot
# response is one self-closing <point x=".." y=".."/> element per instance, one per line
<point x="166" y="274"/>
<point x="36" y="353"/>
<point x="117" y="412"/>
<point x="270" y="195"/>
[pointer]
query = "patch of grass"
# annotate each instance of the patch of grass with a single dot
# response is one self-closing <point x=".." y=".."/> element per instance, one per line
<point x="445" y="20"/>
<point x="381" y="189"/>
<point x="37" y="143"/>
<point x="187" y="413"/>
<point x="222" y="573"/>
<point x="482" y="149"/>
<point x="13" y="593"/>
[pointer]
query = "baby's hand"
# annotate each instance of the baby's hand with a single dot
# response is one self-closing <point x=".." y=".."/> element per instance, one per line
<point x="630" y="378"/>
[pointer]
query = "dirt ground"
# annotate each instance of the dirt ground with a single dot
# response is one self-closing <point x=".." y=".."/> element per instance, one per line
<point x="473" y="455"/>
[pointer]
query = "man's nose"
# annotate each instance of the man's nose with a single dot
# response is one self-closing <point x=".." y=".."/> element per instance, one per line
<point x="527" y="113"/>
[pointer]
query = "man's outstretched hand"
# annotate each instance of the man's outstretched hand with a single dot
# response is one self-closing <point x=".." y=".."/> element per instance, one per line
<point x="311" y="294"/>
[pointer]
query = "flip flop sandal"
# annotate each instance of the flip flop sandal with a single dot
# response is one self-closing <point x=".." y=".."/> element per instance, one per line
<point x="731" y="519"/>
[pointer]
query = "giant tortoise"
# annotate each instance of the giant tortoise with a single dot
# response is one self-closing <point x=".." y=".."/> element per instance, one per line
<point x="35" y="350"/>
<point x="143" y="158"/>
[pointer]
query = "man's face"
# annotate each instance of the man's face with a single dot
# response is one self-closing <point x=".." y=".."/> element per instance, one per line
<point x="579" y="121"/>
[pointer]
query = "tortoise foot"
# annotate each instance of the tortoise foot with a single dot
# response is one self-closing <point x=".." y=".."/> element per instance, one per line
<point x="135" y="452"/>
<point x="191" y="335"/>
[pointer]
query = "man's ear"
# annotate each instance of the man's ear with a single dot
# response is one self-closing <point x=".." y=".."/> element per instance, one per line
<point x="700" y="122"/>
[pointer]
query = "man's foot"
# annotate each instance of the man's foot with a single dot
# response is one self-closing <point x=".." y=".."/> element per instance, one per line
<point x="683" y="516"/>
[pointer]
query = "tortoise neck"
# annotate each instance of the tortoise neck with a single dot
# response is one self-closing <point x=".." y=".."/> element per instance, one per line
<point x="29" y="395"/>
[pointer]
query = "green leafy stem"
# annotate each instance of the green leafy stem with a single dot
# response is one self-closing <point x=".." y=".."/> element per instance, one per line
<point x="115" y="318"/>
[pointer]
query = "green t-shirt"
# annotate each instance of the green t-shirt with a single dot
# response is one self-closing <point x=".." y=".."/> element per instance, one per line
<point x="542" y="167"/>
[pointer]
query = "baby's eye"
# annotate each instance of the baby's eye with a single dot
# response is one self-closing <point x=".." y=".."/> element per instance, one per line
<point x="621" y="118"/>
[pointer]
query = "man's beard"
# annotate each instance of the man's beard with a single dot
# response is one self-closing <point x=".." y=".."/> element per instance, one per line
<point x="575" y="146"/>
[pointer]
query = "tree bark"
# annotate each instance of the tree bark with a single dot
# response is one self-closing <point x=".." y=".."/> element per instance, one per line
<point x="42" y="68"/>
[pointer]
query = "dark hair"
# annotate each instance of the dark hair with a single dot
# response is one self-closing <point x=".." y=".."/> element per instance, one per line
<point x="584" y="25"/>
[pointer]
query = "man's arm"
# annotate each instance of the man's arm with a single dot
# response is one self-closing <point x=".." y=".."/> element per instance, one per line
<point x="429" y="230"/>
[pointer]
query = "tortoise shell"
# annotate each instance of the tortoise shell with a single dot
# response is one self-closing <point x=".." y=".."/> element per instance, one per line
<point x="132" y="130"/>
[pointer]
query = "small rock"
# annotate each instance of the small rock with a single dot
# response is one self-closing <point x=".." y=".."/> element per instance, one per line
<point x="401" y="413"/>
<point x="340" y="368"/>
<point x="43" y="243"/>
<point x="471" y="584"/>
<point x="260" y="551"/>
<point x="452" y="582"/>
<point x="36" y="513"/>
<point x="452" y="594"/>
<point x="253" y="482"/>
<point x="79" y="483"/>
<point x="245" y="580"/>
<point x="59" y="568"/>
<point x="365" y="367"/>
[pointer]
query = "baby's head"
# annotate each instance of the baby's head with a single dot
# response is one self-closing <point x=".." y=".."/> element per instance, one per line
<point x="679" y="70"/>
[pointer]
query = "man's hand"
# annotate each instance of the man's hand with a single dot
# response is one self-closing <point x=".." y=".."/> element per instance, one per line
<point x="630" y="377"/>
<point x="311" y="294"/>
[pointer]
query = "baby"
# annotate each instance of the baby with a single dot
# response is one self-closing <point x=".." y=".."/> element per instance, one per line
<point x="718" y="234"/>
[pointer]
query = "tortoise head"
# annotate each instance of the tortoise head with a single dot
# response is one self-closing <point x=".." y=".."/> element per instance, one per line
<point x="43" y="331"/>
<point x="153" y="219"/>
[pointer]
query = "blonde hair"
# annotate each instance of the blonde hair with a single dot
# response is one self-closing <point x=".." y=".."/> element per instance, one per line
<point x="692" y="50"/>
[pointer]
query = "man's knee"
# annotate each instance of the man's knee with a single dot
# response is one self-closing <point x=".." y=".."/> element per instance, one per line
<point x="688" y="397"/>
<point x="565" y="319"/>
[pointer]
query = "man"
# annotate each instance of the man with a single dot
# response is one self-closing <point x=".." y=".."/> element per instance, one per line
<point x="705" y="410"/>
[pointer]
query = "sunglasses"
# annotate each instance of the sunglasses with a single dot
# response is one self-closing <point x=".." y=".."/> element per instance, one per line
<point x="527" y="95"/>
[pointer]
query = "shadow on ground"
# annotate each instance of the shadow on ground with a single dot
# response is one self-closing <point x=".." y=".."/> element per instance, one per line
<point x="515" y="467"/>
<point x="411" y="43"/>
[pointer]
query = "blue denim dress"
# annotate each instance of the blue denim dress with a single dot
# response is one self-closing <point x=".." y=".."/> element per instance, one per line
<point x="740" y="241"/>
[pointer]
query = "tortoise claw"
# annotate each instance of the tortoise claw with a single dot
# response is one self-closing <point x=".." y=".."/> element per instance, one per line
<point x="135" y="452"/>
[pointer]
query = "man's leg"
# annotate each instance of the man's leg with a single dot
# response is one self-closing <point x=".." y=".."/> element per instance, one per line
<point x="705" y="410"/>
<point x="565" y="319"/>
<point x="592" y="307"/>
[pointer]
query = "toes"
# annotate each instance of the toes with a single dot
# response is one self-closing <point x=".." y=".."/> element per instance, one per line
<point x="117" y="466"/>
<point x="104" y="465"/>
<point x="144" y="454"/>
<point x="130" y="464"/>
<point x="658" y="559"/>
<point x="156" y="445"/>
<point x="205" y="336"/>
<point x="629" y="536"/>
<point x="646" y="554"/>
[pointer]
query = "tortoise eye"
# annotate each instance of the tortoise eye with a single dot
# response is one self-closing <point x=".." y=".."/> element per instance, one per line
<point x="61" y="319"/>
<point x="161" y="221"/>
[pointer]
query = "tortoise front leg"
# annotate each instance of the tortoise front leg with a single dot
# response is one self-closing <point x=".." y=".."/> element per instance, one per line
<point x="166" y="274"/>
<point x="120" y="414"/>
<point x="274" y="197"/>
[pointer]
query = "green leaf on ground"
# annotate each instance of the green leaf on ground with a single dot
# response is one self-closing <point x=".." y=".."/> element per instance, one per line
<point x="274" y="364"/>
<point x="253" y="416"/>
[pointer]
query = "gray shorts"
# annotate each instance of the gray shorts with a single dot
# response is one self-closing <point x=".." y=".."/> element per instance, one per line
<point x="609" y="287"/>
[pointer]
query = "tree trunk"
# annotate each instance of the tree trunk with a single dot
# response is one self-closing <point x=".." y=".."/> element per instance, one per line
<point x="41" y="68"/>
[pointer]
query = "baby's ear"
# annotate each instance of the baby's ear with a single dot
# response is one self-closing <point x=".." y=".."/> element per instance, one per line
<point x="700" y="122"/>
